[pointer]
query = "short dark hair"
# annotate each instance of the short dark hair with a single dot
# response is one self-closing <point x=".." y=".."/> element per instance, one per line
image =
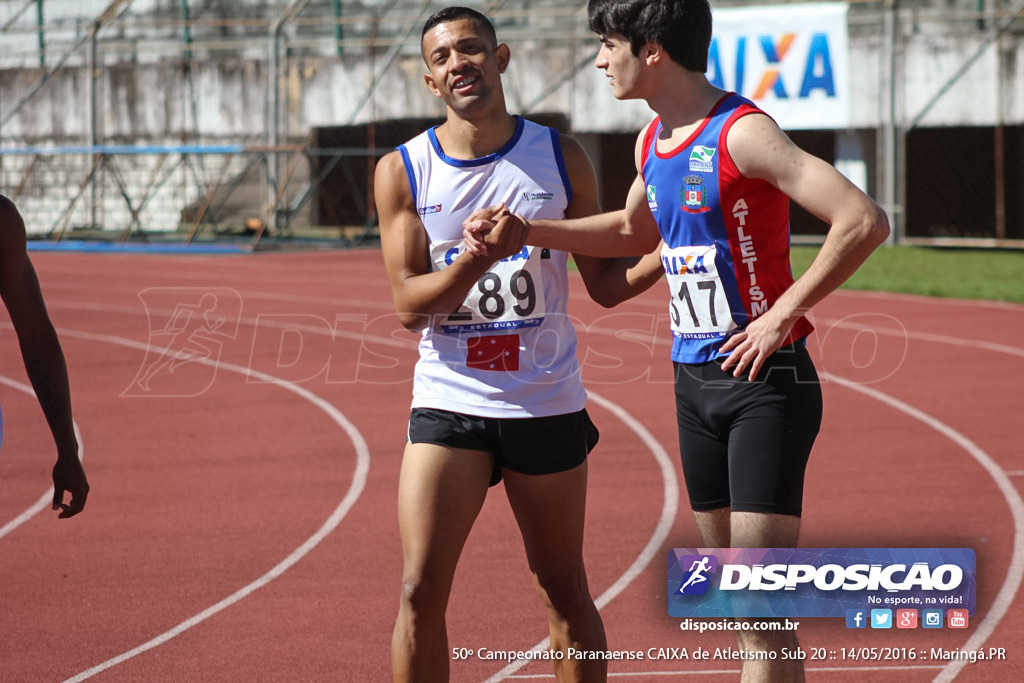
<point x="455" y="14"/>
<point x="682" y="27"/>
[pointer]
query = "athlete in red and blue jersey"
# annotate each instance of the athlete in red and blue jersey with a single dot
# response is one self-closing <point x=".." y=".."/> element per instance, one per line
<point x="714" y="179"/>
<point x="725" y="248"/>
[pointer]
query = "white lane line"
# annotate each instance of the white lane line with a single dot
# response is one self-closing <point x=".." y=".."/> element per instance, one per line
<point x="972" y="304"/>
<point x="1015" y="571"/>
<point x="669" y="509"/>
<point x="47" y="498"/>
<point x="260" y="321"/>
<point x="383" y="306"/>
<point x="924" y="336"/>
<point x="1013" y="579"/>
<point x="355" y="490"/>
<point x="824" y="325"/>
<point x="916" y="299"/>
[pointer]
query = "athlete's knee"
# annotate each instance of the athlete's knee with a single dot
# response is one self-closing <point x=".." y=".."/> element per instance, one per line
<point x="565" y="592"/>
<point x="423" y="596"/>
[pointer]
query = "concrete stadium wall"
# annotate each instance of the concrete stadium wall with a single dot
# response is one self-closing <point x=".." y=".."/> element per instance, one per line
<point x="227" y="99"/>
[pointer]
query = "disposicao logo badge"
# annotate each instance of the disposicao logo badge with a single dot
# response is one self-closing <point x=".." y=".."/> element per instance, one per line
<point x="823" y="582"/>
<point x="696" y="579"/>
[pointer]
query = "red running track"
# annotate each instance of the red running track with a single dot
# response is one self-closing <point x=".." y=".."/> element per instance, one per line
<point x="243" y="420"/>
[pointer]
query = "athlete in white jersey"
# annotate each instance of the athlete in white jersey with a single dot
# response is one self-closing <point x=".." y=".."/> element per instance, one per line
<point x="497" y="391"/>
<point x="508" y="350"/>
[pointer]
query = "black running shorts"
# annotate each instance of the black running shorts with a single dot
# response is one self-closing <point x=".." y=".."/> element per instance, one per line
<point x="745" y="445"/>
<point x="530" y="445"/>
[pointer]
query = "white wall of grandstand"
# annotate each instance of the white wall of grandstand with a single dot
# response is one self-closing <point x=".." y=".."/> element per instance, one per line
<point x="137" y="118"/>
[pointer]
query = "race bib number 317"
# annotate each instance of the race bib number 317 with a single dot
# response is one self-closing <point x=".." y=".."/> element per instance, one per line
<point x="698" y="306"/>
<point x="509" y="296"/>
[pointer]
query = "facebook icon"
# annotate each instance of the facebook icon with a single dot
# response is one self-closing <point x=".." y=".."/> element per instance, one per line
<point x="856" y="618"/>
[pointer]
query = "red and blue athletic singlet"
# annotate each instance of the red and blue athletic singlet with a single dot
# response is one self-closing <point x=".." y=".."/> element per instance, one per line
<point x="726" y="237"/>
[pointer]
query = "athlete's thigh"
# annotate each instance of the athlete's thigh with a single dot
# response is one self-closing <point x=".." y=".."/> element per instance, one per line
<point x="774" y="428"/>
<point x="704" y="452"/>
<point x="440" y="493"/>
<point x="550" y="510"/>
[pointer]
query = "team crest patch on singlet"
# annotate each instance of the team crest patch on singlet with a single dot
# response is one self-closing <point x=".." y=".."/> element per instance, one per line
<point x="702" y="158"/>
<point x="694" y="196"/>
<point x="652" y="201"/>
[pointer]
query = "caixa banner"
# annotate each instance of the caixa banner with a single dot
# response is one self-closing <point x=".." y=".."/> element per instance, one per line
<point x="792" y="60"/>
<point x="817" y="582"/>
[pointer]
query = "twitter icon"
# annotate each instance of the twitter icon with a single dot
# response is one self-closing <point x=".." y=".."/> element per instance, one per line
<point x="881" y="618"/>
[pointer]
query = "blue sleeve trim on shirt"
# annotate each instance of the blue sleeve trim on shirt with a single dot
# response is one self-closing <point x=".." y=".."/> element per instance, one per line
<point x="408" y="170"/>
<point x="556" y="143"/>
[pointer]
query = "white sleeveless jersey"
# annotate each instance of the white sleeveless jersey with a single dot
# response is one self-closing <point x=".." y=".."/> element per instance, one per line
<point x="509" y="350"/>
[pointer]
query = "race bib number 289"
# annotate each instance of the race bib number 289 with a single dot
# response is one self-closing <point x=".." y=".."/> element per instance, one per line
<point x="698" y="307"/>
<point x="509" y="296"/>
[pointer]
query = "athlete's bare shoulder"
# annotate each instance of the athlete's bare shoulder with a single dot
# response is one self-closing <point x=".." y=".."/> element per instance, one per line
<point x="759" y="148"/>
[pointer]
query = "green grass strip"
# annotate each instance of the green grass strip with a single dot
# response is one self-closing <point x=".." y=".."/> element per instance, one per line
<point x="992" y="274"/>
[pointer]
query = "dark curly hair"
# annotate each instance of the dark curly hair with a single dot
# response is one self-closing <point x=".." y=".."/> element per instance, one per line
<point x="455" y="14"/>
<point x="682" y="27"/>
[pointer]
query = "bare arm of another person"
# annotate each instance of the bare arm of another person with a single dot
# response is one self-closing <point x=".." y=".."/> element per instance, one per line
<point x="604" y="246"/>
<point x="857" y="225"/>
<point x="609" y="281"/>
<point x="43" y="357"/>
<point x="631" y="231"/>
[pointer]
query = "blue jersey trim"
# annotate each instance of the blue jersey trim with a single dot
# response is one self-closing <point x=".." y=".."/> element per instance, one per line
<point x="556" y="144"/>
<point x="408" y="170"/>
<point x="468" y="163"/>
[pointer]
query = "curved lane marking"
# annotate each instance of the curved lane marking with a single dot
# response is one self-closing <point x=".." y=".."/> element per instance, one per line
<point x="355" y="490"/>
<point x="669" y="509"/>
<point x="47" y="498"/>
<point x="1015" y="571"/>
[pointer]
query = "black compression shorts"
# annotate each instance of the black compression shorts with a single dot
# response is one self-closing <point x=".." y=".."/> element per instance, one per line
<point x="529" y="445"/>
<point x="745" y="445"/>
